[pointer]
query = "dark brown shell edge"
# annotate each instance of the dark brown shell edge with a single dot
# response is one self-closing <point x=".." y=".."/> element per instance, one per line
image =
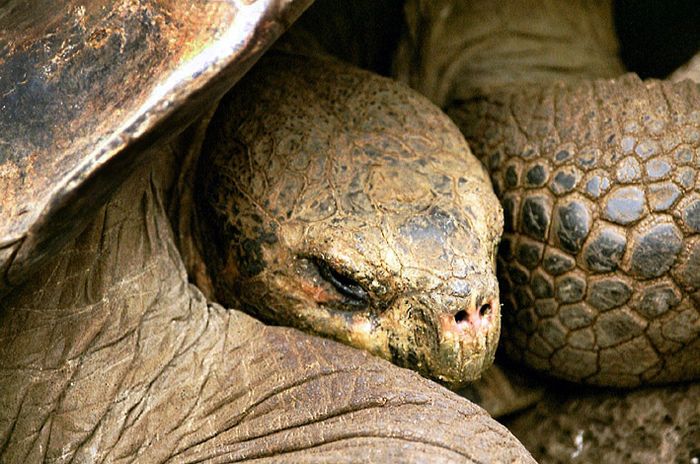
<point x="88" y="88"/>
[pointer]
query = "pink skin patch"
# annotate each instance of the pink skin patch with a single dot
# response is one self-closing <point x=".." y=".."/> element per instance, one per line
<point x="468" y="321"/>
<point x="316" y="292"/>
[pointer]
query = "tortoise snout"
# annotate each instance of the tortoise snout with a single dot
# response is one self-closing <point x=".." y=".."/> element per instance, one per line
<point x="468" y="335"/>
<point x="445" y="337"/>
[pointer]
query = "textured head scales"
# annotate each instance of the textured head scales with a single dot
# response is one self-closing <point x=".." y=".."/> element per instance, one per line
<point x="343" y="203"/>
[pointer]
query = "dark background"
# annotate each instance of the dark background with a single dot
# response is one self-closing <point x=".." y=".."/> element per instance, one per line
<point x="657" y="36"/>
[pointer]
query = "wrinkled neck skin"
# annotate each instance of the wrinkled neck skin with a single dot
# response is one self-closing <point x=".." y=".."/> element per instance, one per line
<point x="108" y="354"/>
<point x="452" y="48"/>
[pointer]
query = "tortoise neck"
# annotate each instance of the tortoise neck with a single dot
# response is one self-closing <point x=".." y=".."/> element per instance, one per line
<point x="458" y="48"/>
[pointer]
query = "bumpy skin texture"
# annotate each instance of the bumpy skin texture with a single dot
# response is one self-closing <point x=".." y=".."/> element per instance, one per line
<point x="343" y="203"/>
<point x="600" y="262"/>
<point x="108" y="355"/>
<point x="650" y="425"/>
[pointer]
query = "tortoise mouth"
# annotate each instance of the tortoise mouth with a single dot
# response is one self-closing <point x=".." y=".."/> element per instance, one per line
<point x="450" y="343"/>
<point x="451" y="364"/>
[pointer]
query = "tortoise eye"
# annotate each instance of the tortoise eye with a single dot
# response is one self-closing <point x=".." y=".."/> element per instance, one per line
<point x="346" y="286"/>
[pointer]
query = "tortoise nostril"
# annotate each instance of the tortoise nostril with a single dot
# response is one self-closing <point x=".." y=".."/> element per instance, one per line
<point x="485" y="310"/>
<point x="461" y="316"/>
<point x="476" y="319"/>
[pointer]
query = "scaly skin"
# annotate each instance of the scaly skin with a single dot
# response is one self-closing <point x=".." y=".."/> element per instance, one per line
<point x="315" y="172"/>
<point x="600" y="257"/>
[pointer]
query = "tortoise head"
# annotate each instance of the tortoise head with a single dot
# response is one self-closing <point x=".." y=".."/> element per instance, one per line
<point x="355" y="210"/>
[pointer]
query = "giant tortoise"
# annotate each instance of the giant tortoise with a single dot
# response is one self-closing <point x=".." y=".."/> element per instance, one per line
<point x="108" y="352"/>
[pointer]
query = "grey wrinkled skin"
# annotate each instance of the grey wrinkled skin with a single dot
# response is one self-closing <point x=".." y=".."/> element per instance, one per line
<point x="109" y="355"/>
<point x="312" y="167"/>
